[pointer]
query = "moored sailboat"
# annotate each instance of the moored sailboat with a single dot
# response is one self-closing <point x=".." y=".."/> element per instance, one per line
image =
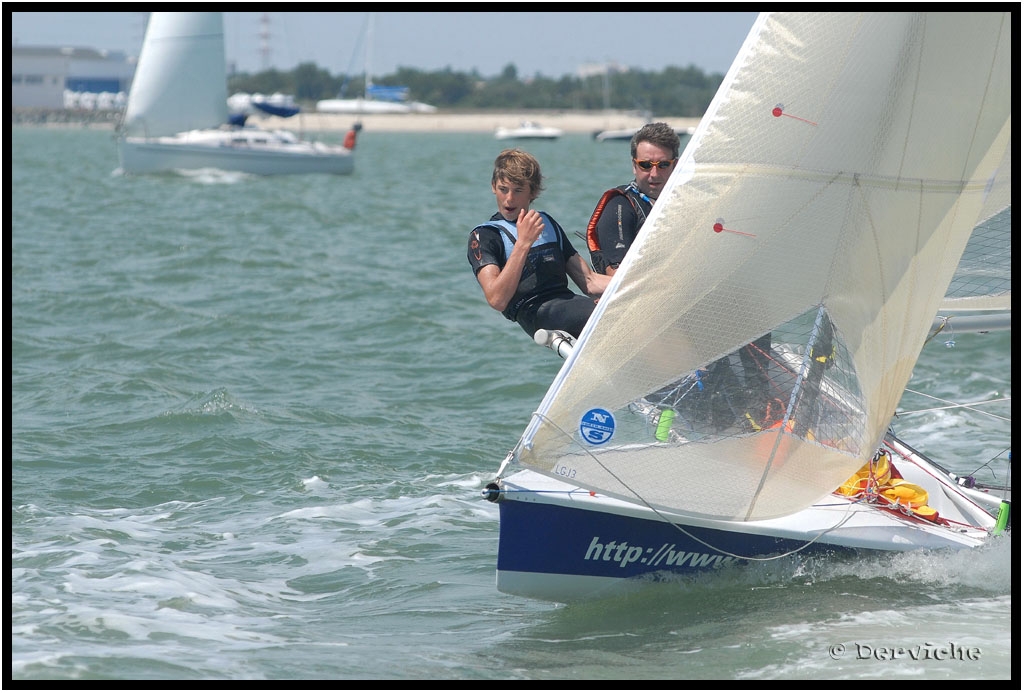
<point x="376" y="99"/>
<point x="528" y="130"/>
<point x="612" y="135"/>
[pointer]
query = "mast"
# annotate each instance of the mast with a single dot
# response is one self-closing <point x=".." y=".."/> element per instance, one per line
<point x="265" y="41"/>
<point x="607" y="89"/>
<point x="367" y="79"/>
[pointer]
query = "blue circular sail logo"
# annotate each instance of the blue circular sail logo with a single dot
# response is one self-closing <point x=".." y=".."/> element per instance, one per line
<point x="597" y="426"/>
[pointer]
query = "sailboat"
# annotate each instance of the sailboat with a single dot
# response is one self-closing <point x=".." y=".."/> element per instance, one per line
<point x="627" y="134"/>
<point x="528" y="130"/>
<point x="177" y="114"/>
<point x="376" y="99"/>
<point x="730" y="400"/>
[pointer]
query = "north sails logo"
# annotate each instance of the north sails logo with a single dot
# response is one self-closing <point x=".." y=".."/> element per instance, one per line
<point x="597" y="426"/>
<point x="625" y="553"/>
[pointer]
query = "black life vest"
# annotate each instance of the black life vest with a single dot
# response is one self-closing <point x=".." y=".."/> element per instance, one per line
<point x="631" y="193"/>
<point x="544" y="272"/>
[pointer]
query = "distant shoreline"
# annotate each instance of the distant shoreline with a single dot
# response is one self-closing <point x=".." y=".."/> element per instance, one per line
<point x="64" y="118"/>
<point x="481" y="121"/>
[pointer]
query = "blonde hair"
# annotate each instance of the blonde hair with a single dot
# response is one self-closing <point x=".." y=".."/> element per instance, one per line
<point x="519" y="168"/>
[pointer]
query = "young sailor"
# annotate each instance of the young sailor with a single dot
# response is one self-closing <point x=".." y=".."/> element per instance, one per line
<point x="523" y="259"/>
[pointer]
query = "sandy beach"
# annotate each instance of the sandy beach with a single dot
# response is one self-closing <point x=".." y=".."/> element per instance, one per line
<point x="481" y="121"/>
<point x="568" y="122"/>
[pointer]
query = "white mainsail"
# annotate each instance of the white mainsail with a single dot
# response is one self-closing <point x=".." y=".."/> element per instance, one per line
<point x="824" y="200"/>
<point x="180" y="81"/>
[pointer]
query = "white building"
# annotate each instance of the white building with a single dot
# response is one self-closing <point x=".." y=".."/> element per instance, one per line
<point x="41" y="74"/>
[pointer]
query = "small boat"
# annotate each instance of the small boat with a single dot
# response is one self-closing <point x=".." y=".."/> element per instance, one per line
<point x="731" y="399"/>
<point x="627" y="134"/>
<point x="528" y="130"/>
<point x="177" y="116"/>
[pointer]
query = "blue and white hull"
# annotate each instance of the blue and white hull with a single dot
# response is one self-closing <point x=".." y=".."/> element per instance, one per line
<point x="562" y="543"/>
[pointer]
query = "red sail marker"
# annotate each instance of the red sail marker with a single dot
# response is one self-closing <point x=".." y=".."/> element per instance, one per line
<point x="719" y="227"/>
<point x="778" y="113"/>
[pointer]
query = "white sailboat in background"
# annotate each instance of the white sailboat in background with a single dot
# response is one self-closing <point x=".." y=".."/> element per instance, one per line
<point x="376" y="99"/>
<point x="730" y="399"/>
<point x="528" y="130"/>
<point x="627" y="134"/>
<point x="177" y="113"/>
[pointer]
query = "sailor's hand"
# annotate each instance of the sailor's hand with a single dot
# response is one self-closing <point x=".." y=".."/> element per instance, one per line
<point x="529" y="226"/>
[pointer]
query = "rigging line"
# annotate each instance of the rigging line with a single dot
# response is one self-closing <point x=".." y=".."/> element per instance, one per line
<point x="846" y="517"/>
<point x="958" y="478"/>
<point x="822" y="326"/>
<point x="986" y="465"/>
<point x="355" y="55"/>
<point x="955" y="405"/>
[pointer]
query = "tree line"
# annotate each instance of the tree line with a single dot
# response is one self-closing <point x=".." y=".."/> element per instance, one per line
<point x="674" y="91"/>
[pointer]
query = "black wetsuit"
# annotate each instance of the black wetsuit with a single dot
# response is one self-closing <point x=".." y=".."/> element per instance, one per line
<point x="615" y="223"/>
<point x="543" y="299"/>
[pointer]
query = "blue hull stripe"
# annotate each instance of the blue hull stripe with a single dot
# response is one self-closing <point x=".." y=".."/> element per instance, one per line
<point x="544" y="538"/>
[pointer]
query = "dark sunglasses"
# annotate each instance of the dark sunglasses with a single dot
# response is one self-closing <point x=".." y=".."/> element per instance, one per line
<point x="648" y="165"/>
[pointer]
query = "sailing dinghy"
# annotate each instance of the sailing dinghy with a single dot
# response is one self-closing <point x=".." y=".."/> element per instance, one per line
<point x="730" y="399"/>
<point x="177" y="114"/>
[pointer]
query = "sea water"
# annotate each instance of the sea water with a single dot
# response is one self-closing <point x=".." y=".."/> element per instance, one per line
<point x="251" y="419"/>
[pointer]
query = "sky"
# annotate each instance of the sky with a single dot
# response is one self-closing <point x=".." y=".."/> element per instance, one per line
<point x="552" y="44"/>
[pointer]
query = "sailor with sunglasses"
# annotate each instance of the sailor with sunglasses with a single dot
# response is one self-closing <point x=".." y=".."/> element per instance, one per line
<point x="622" y="211"/>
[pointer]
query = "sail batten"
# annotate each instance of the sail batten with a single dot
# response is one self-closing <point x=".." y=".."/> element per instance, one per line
<point x="777" y="298"/>
<point x="844" y="177"/>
